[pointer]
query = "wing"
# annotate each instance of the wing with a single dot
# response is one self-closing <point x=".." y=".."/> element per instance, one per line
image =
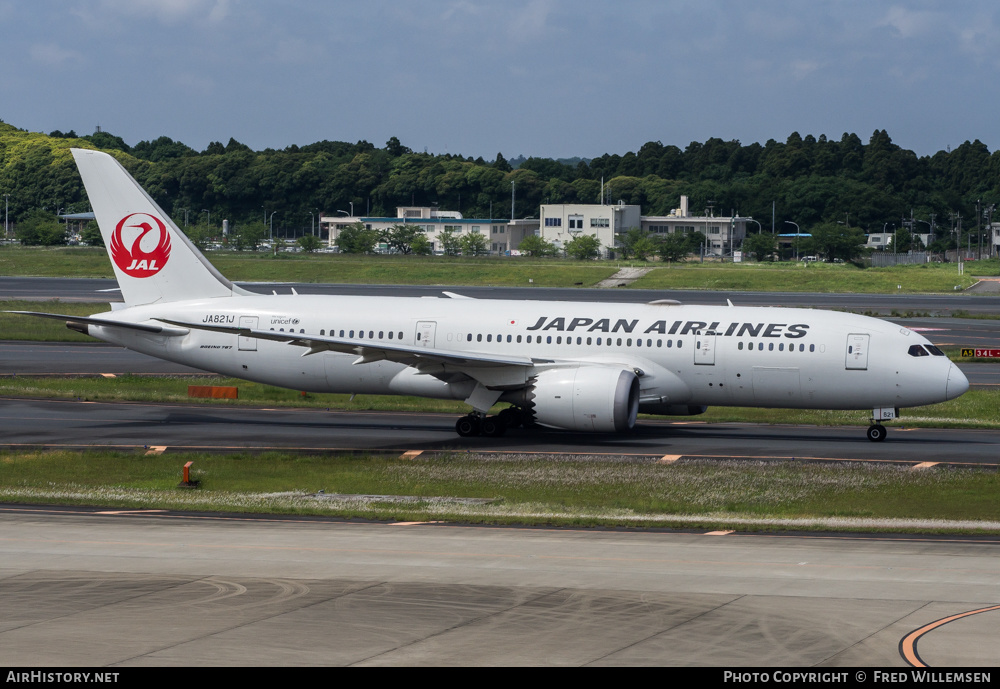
<point x="367" y="352"/>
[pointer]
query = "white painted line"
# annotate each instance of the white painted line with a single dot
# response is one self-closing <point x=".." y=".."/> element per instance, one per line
<point x="130" y="512"/>
<point x="719" y="533"/>
<point x="109" y="375"/>
<point x="413" y="523"/>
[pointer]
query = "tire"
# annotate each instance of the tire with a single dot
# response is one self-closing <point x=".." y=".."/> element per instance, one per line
<point x="467" y="426"/>
<point x="493" y="426"/>
<point x="876" y="433"/>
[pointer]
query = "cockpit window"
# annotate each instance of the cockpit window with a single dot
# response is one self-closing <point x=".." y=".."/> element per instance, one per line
<point x="917" y="350"/>
<point x="934" y="350"/>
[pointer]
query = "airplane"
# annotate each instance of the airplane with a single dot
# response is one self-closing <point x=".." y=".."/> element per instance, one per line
<point x="579" y="366"/>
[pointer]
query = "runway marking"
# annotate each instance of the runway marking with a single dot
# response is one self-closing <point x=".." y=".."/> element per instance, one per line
<point x="108" y="375"/>
<point x="156" y="449"/>
<point x="411" y="454"/>
<point x="925" y="465"/>
<point x="669" y="459"/>
<point x="719" y="533"/>
<point x="412" y="523"/>
<point x="131" y="512"/>
<point x="908" y="644"/>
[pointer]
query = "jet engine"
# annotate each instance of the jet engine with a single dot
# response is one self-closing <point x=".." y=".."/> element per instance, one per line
<point x="586" y="398"/>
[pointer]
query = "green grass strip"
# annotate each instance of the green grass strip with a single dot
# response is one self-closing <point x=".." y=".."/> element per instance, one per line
<point x="568" y="490"/>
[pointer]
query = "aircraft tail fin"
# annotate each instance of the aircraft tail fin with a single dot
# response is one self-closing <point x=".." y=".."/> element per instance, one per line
<point x="151" y="257"/>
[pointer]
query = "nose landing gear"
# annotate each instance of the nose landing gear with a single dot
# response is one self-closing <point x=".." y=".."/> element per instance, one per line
<point x="876" y="433"/>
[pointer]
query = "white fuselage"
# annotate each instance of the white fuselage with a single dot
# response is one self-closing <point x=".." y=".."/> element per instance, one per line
<point x="683" y="354"/>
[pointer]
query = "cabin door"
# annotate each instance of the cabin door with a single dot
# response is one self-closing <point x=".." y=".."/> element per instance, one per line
<point x="704" y="348"/>
<point x="857" y="351"/>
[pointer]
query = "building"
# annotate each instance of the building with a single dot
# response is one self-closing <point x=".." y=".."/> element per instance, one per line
<point x="723" y="234"/>
<point x="561" y="222"/>
<point x="434" y="222"/>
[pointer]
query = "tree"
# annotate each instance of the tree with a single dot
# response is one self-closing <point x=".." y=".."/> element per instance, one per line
<point x="310" y="243"/>
<point x="421" y="246"/>
<point x="400" y="237"/>
<point x="674" y="248"/>
<point x="762" y="246"/>
<point x="638" y="244"/>
<point x="834" y="241"/>
<point x="357" y="239"/>
<point x="450" y="241"/>
<point x="91" y="234"/>
<point x="533" y="245"/>
<point x="41" y="228"/>
<point x="473" y="244"/>
<point x="248" y="237"/>
<point x="583" y="247"/>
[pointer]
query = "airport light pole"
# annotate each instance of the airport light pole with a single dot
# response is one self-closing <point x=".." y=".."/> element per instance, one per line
<point x="270" y="233"/>
<point x="797" y="233"/>
<point x="6" y="205"/>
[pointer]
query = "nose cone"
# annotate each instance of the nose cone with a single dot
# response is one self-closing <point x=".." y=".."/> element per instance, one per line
<point x="957" y="383"/>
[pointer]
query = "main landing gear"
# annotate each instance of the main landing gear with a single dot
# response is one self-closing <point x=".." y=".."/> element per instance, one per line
<point x="490" y="426"/>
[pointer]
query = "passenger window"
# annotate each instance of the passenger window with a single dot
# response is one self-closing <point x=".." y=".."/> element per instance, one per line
<point x="479" y="337"/>
<point x="559" y="339"/>
<point x="812" y="348"/>
<point x="381" y="334"/>
<point x="519" y="339"/>
<point x="770" y="346"/>
<point x="740" y="346"/>
<point x="508" y="338"/>
<point x="489" y="337"/>
<point x="548" y="339"/>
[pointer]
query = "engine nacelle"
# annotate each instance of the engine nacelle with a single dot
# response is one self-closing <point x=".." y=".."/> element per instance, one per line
<point x="586" y="398"/>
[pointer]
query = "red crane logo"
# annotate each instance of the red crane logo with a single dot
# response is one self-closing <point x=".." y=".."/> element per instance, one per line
<point x="132" y="259"/>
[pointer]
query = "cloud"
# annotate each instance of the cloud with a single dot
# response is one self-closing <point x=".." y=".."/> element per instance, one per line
<point x="168" y="11"/>
<point x="53" y="55"/>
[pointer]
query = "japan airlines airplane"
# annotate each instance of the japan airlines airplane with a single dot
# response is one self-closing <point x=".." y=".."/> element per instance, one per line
<point x="564" y="365"/>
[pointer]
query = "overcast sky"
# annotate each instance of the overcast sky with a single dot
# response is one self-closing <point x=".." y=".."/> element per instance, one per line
<point x="552" y="78"/>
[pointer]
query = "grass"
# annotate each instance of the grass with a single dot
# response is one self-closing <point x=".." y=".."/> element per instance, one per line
<point x="571" y="490"/>
<point x="16" y="327"/>
<point x="814" y="277"/>
<point x="978" y="408"/>
<point x="522" y="271"/>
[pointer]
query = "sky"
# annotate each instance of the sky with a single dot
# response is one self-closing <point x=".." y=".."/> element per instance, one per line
<point x="545" y="78"/>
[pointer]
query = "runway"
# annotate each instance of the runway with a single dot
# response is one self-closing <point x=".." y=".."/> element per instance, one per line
<point x="75" y="424"/>
<point x="128" y="588"/>
<point x="97" y="290"/>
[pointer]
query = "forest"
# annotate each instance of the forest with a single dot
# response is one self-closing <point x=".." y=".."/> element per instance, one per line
<point x="808" y="180"/>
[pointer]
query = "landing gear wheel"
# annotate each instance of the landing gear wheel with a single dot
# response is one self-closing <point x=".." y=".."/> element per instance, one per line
<point x="467" y="426"/>
<point x="876" y="433"/>
<point x="512" y="417"/>
<point x="493" y="426"/>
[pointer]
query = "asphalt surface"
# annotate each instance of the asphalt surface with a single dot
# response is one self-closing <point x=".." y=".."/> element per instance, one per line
<point x="92" y="289"/>
<point x="125" y="588"/>
<point x="30" y="423"/>
<point x="133" y="588"/>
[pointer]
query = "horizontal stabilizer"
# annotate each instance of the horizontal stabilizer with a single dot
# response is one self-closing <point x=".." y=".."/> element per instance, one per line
<point x="106" y="323"/>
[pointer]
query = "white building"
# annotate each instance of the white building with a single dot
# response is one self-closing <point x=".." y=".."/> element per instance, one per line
<point x="561" y="222"/>
<point x="433" y="222"/>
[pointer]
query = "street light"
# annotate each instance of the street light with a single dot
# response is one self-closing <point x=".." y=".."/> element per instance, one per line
<point x="759" y="228"/>
<point x="185" y="215"/>
<point x="6" y="227"/>
<point x="270" y="233"/>
<point x="797" y="233"/>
